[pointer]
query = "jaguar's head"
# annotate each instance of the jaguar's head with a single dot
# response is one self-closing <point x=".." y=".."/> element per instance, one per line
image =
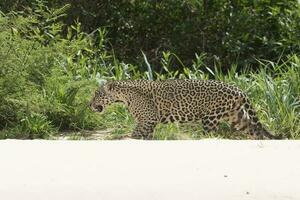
<point x="102" y="98"/>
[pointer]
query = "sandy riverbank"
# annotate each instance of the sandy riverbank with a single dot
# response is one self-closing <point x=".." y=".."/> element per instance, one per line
<point x="133" y="169"/>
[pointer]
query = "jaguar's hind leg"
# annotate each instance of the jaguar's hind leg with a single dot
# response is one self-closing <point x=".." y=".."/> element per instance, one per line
<point x="244" y="119"/>
<point x="239" y="120"/>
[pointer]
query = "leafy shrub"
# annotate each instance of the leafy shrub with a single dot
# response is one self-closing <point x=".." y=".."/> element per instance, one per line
<point x="46" y="80"/>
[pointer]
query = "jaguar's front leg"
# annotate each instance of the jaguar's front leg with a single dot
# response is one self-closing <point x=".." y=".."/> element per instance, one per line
<point x="144" y="130"/>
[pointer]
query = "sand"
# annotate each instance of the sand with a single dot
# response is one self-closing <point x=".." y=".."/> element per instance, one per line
<point x="133" y="169"/>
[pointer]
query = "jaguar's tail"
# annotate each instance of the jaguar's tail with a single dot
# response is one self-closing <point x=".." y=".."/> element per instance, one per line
<point x="255" y="127"/>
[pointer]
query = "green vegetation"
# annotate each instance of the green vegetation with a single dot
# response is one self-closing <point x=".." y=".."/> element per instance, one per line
<point x="52" y="59"/>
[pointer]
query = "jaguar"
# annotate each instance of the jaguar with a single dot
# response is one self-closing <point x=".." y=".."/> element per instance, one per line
<point x="208" y="101"/>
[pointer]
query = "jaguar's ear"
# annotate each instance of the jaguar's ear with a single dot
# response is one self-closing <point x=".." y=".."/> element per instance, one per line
<point x="109" y="86"/>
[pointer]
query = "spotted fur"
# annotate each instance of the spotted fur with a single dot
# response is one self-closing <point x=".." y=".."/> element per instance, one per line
<point x="153" y="102"/>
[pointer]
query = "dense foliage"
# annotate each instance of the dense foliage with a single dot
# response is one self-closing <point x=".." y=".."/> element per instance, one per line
<point x="227" y="32"/>
<point x="53" y="55"/>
